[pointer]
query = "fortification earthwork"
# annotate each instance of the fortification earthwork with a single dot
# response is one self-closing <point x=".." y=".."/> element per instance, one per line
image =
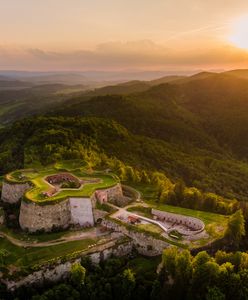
<point x="51" y="199"/>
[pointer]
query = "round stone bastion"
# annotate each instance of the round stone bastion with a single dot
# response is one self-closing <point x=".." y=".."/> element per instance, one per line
<point x="48" y="213"/>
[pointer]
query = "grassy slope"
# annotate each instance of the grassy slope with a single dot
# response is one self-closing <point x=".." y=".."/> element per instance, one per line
<point x="206" y="217"/>
<point x="23" y="236"/>
<point x="21" y="257"/>
<point x="217" y="223"/>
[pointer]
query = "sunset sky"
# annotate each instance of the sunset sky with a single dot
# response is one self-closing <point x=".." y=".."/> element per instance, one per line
<point x="123" y="34"/>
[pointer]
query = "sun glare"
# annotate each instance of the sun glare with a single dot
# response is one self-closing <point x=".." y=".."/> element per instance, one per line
<point x="239" y="35"/>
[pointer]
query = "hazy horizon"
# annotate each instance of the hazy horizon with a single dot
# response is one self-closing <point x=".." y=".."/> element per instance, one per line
<point x="116" y="35"/>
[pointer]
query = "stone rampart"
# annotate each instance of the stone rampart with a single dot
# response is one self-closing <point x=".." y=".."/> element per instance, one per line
<point x="74" y="211"/>
<point x="59" y="271"/>
<point x="194" y="225"/>
<point x="114" y="192"/>
<point x="145" y="244"/>
<point x="111" y="193"/>
<point x="13" y="192"/>
<point x="34" y="217"/>
<point x="81" y="212"/>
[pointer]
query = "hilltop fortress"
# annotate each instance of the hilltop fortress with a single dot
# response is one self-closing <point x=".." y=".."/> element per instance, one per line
<point x="57" y="200"/>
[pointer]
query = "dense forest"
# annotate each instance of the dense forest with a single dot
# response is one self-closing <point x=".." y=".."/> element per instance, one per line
<point x="181" y="276"/>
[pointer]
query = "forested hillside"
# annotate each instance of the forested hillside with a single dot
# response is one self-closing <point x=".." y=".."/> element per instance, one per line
<point x="48" y="139"/>
<point x="18" y="101"/>
<point x="194" y="130"/>
<point x="209" y="112"/>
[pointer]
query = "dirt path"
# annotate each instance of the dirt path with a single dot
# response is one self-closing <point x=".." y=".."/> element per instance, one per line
<point x="92" y="234"/>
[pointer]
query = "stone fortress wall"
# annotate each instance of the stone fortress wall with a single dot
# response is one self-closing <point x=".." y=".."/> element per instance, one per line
<point x="144" y="243"/>
<point x="73" y="211"/>
<point x="12" y="192"/>
<point x="34" y="217"/>
<point x="54" y="272"/>
<point x="192" y="225"/>
<point x="107" y="195"/>
<point x="81" y="211"/>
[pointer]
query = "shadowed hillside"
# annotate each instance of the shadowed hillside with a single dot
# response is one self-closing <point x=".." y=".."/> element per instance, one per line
<point x="195" y="131"/>
<point x="45" y="140"/>
<point x="209" y="112"/>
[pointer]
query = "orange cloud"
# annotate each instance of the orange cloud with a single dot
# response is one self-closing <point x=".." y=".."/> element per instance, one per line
<point x="122" y="55"/>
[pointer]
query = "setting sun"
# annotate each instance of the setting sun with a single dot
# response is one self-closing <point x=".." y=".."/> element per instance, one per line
<point x="239" y="36"/>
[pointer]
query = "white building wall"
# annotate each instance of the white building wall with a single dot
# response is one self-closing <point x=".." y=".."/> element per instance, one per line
<point x="81" y="211"/>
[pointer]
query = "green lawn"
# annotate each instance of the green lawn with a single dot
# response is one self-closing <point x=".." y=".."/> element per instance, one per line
<point x="69" y="165"/>
<point x="151" y="228"/>
<point x="212" y="221"/>
<point x="147" y="191"/>
<point x="40" y="185"/>
<point x="21" y="257"/>
<point x="215" y="224"/>
<point x="206" y="217"/>
<point x="143" y="211"/>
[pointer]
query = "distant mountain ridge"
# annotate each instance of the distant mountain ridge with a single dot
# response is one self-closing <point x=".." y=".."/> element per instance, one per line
<point x="200" y="103"/>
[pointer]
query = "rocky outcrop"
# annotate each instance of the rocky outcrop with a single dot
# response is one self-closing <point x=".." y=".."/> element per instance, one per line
<point x="114" y="192"/>
<point x="122" y="249"/>
<point x="13" y="192"/>
<point x="59" y="272"/>
<point x="34" y="217"/>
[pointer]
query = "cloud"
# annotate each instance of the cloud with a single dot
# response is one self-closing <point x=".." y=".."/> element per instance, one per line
<point x="123" y="55"/>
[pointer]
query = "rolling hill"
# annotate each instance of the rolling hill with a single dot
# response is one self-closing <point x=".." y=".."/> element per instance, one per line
<point x="195" y="130"/>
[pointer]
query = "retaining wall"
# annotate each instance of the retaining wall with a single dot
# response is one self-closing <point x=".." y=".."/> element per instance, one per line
<point x="35" y="217"/>
<point x="195" y="225"/>
<point x="81" y="212"/>
<point x="111" y="193"/>
<point x="59" y="271"/>
<point x="145" y="244"/>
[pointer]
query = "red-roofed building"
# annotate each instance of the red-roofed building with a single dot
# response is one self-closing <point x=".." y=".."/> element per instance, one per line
<point x="133" y="219"/>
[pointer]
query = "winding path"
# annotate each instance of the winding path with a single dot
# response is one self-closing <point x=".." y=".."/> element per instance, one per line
<point x="124" y="211"/>
<point x="92" y="234"/>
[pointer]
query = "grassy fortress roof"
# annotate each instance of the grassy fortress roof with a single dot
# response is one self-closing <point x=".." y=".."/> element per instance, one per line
<point x="56" y="183"/>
